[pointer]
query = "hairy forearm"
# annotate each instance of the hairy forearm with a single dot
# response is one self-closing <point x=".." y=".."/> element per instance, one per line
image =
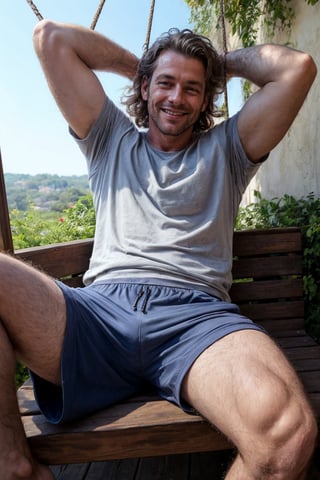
<point x="267" y="63"/>
<point x="95" y="50"/>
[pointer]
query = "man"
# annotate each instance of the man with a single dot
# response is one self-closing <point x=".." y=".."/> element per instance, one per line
<point x="156" y="307"/>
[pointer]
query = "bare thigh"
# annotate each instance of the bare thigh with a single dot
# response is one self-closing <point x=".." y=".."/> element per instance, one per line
<point x="33" y="313"/>
<point x="241" y="383"/>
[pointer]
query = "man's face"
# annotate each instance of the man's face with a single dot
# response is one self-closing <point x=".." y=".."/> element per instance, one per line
<point x="176" y="97"/>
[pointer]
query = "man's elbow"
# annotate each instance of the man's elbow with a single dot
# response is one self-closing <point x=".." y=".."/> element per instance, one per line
<point x="44" y="36"/>
<point x="309" y="69"/>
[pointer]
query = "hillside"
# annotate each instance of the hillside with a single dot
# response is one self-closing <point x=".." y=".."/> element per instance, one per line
<point x="44" y="192"/>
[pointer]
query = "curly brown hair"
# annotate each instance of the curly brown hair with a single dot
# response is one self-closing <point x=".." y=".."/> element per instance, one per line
<point x="188" y="44"/>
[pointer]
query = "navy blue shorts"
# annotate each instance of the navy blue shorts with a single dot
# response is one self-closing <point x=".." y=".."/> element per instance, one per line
<point x="121" y="336"/>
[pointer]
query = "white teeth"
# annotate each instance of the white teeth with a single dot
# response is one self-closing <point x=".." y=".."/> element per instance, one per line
<point x="172" y="113"/>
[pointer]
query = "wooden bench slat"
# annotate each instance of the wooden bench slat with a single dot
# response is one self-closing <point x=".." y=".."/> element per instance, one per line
<point x="60" y="260"/>
<point x="139" y="442"/>
<point x="292" y="333"/>
<point x="267" y="266"/>
<point x="310" y="381"/>
<point x="267" y="289"/>
<point x="303" y="352"/>
<point x="314" y="398"/>
<point x="123" y="431"/>
<point x="270" y="241"/>
<point x="290" y="342"/>
<point x="272" y="310"/>
<point x="279" y="327"/>
<point x="308" y="365"/>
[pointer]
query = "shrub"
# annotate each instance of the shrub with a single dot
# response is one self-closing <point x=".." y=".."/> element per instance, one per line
<point x="34" y="228"/>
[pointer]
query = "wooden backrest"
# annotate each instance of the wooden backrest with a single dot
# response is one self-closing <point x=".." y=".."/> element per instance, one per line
<point x="267" y="277"/>
<point x="66" y="261"/>
<point x="267" y="272"/>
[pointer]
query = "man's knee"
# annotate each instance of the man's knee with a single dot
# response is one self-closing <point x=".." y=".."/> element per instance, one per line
<point x="296" y="451"/>
<point x="284" y="432"/>
<point x="290" y="442"/>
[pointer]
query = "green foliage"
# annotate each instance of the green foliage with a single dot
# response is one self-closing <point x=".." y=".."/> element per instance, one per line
<point x="34" y="228"/>
<point x="77" y="222"/>
<point x="22" y="374"/>
<point x="30" y="228"/>
<point x="288" y="211"/>
<point x="201" y="15"/>
<point x="244" y="16"/>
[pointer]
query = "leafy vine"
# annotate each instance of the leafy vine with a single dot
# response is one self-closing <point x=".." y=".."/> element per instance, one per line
<point x="244" y="16"/>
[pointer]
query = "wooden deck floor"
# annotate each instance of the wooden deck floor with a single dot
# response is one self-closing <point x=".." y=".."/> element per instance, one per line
<point x="203" y="466"/>
<point x="197" y="466"/>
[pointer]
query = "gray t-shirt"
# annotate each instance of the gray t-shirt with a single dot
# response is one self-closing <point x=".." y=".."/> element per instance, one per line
<point x="164" y="217"/>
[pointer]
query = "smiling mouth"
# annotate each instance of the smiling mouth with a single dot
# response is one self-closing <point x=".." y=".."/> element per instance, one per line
<point x="172" y="113"/>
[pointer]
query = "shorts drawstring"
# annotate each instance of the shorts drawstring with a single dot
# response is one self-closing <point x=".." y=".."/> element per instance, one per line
<point x="140" y="294"/>
<point x="145" y="301"/>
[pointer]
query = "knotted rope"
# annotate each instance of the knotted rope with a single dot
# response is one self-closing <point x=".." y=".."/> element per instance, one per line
<point x="150" y="20"/>
<point x="97" y="15"/>
<point x="35" y="10"/>
<point x="93" y="23"/>
<point x="225" y="51"/>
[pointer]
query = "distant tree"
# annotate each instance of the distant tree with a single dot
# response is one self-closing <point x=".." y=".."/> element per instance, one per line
<point x="22" y="201"/>
<point x="44" y="191"/>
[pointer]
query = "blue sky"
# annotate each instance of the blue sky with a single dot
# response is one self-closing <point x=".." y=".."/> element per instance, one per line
<point x="33" y="135"/>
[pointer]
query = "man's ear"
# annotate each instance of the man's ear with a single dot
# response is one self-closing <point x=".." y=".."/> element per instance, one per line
<point x="144" y="88"/>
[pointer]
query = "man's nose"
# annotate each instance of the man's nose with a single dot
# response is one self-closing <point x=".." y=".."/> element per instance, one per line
<point x="176" y="95"/>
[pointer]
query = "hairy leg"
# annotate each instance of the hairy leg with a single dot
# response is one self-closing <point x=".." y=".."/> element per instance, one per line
<point x="32" y="324"/>
<point x="245" y="387"/>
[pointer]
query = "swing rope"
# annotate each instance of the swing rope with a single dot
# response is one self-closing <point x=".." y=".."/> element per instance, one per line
<point x="35" y="10"/>
<point x="93" y="23"/>
<point x="225" y="51"/>
<point x="97" y="15"/>
<point x="150" y="21"/>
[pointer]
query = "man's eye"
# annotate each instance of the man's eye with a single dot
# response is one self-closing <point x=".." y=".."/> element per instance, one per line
<point x="193" y="90"/>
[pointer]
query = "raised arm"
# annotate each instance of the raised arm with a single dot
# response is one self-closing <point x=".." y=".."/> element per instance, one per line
<point x="69" y="54"/>
<point x="284" y="76"/>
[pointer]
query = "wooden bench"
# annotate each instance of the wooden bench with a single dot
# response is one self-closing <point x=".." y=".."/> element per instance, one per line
<point x="268" y="287"/>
